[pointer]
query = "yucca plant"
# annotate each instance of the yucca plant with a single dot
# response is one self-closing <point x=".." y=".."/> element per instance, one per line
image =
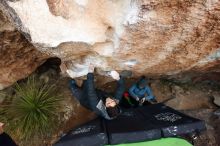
<point x="34" y="110"/>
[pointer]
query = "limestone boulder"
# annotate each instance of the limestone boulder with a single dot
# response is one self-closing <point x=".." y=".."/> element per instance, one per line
<point x="151" y="37"/>
<point x="18" y="57"/>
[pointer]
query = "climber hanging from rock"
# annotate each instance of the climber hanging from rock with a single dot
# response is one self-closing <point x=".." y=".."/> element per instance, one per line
<point x="102" y="103"/>
<point x="141" y="92"/>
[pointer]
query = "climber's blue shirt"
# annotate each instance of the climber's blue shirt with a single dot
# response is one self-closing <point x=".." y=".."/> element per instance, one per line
<point x="134" y="91"/>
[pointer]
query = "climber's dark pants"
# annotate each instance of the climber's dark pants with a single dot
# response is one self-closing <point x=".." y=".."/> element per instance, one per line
<point x="91" y="101"/>
<point x="6" y="140"/>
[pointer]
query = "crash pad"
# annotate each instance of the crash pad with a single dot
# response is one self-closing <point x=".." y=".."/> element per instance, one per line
<point x="134" y="125"/>
<point x="90" y="134"/>
<point x="170" y="121"/>
<point x="150" y="122"/>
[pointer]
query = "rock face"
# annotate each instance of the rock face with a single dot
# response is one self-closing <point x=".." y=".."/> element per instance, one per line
<point x="162" y="37"/>
<point x="18" y="57"/>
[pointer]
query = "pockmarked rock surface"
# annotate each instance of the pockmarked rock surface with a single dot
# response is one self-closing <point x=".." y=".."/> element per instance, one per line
<point x="150" y="37"/>
<point x="18" y="57"/>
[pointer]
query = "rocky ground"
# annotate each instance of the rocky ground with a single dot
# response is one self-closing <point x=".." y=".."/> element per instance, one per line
<point x="200" y="99"/>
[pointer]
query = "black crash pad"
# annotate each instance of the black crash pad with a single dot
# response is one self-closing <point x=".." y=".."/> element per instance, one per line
<point x="90" y="134"/>
<point x="133" y="125"/>
<point x="170" y="121"/>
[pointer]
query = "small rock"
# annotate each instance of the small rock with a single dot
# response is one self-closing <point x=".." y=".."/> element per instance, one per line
<point x="216" y="96"/>
<point x="187" y="92"/>
<point x="50" y="73"/>
<point x="177" y="89"/>
<point x="217" y="112"/>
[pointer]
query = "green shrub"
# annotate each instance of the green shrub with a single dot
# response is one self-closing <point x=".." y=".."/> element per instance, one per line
<point x="34" y="109"/>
